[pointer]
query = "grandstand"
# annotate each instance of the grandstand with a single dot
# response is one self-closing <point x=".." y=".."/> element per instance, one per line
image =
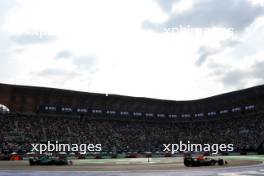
<point x="125" y="124"/>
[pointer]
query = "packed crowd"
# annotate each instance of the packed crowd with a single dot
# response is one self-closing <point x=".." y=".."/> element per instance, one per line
<point x="19" y="131"/>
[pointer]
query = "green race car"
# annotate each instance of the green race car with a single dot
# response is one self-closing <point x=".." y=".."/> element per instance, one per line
<point x="47" y="160"/>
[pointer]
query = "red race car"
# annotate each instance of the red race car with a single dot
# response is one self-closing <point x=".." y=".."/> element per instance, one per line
<point x="202" y="161"/>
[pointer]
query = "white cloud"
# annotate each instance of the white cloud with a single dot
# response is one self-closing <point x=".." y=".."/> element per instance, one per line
<point x="103" y="48"/>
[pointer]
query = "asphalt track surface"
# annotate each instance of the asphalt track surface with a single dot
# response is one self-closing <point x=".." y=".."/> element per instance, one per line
<point x="254" y="170"/>
<point x="237" y="169"/>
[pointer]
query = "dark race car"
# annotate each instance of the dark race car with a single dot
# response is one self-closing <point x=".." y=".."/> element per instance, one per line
<point x="202" y="161"/>
<point x="46" y="160"/>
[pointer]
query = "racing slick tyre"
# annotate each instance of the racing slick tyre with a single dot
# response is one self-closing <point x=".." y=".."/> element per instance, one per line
<point x="31" y="162"/>
<point x="220" y="162"/>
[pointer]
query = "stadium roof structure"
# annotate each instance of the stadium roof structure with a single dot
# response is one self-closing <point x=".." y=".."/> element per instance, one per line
<point x="28" y="99"/>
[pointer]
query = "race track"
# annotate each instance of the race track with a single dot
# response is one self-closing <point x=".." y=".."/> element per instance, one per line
<point x="255" y="170"/>
<point x="245" y="167"/>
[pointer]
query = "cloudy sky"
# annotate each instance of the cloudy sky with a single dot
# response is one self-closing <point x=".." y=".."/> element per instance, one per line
<point x="168" y="49"/>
